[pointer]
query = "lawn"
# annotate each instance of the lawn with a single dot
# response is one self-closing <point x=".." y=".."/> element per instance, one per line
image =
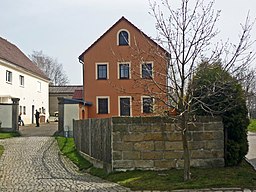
<point x="241" y="176"/>
<point x="67" y="147"/>
<point x="6" y="135"/>
<point x="252" y="126"/>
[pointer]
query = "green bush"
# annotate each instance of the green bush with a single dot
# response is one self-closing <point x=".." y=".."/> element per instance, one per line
<point x="220" y="94"/>
<point x="252" y="125"/>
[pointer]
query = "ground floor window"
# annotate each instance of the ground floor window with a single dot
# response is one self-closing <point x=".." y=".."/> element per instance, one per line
<point x="147" y="105"/>
<point x="125" y="106"/>
<point x="102" y="105"/>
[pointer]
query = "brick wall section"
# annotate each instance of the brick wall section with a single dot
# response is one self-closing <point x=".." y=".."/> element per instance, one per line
<point x="154" y="143"/>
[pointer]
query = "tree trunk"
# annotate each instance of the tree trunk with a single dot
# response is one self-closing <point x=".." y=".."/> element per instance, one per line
<point x="186" y="154"/>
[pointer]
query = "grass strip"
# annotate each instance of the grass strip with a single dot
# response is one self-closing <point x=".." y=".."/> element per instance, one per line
<point x="242" y="176"/>
<point x="67" y="147"/>
<point x="6" y="135"/>
<point x="1" y="150"/>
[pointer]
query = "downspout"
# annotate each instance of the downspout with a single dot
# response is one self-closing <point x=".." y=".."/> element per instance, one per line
<point x="82" y="62"/>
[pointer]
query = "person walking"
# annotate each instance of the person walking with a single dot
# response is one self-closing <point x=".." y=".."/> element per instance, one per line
<point x="21" y="122"/>
<point x="37" y="118"/>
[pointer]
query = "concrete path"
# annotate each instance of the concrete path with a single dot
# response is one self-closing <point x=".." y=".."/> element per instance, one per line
<point x="45" y="129"/>
<point x="33" y="163"/>
<point x="251" y="156"/>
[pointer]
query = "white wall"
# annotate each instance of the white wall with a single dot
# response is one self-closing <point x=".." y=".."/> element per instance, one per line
<point x="6" y="116"/>
<point x="71" y="111"/>
<point x="29" y="94"/>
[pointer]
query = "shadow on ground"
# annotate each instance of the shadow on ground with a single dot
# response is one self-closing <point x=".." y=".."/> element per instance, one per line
<point x="45" y="129"/>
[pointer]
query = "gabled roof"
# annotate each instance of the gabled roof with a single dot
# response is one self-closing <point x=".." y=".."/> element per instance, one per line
<point x="11" y="53"/>
<point x="65" y="89"/>
<point x="78" y="94"/>
<point x="122" y="19"/>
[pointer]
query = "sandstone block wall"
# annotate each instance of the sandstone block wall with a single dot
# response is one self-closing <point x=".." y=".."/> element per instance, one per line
<point x="155" y="143"/>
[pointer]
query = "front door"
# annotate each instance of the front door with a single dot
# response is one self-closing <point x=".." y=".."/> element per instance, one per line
<point x="33" y="113"/>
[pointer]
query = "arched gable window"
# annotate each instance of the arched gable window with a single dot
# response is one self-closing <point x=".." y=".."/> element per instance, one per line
<point x="123" y="38"/>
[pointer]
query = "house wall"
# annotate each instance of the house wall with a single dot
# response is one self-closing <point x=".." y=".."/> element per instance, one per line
<point x="29" y="94"/>
<point x="71" y="111"/>
<point x="106" y="50"/>
<point x="6" y="115"/>
<point x="53" y="101"/>
<point x="149" y="143"/>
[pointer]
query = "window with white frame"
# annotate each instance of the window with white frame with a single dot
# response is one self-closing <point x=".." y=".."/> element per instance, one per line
<point x="39" y="86"/>
<point x="125" y="106"/>
<point x="8" y="76"/>
<point x="102" y="105"/>
<point x="124" y="70"/>
<point x="123" y="38"/>
<point x="21" y="81"/>
<point x="20" y="109"/>
<point x="24" y="110"/>
<point x="147" y="70"/>
<point x="147" y="104"/>
<point x="101" y="71"/>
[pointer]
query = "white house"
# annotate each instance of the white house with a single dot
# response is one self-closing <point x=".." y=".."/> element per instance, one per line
<point x="20" y="78"/>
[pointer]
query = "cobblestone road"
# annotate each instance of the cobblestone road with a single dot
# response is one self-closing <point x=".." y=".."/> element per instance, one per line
<point x="34" y="164"/>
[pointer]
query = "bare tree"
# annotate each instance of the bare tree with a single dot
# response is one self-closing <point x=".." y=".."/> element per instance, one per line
<point x="51" y="67"/>
<point x="248" y="81"/>
<point x="189" y="33"/>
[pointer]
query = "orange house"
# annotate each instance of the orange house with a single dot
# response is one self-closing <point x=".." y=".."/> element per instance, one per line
<point x="124" y="73"/>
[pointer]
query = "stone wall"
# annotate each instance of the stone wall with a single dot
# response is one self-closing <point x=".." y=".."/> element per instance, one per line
<point x="154" y="143"/>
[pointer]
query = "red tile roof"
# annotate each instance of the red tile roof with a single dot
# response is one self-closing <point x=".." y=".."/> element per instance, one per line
<point x="78" y="94"/>
<point x="64" y="89"/>
<point x="11" y="53"/>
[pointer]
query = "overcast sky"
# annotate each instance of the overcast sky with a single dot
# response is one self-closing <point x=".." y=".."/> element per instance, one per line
<point x="63" y="29"/>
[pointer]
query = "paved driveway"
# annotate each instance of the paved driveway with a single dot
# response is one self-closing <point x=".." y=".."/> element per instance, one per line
<point x="33" y="163"/>
<point x="251" y="156"/>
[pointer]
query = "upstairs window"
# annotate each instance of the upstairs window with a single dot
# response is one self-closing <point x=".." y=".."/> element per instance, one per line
<point x="124" y="71"/>
<point x="123" y="38"/>
<point x="8" y="76"/>
<point x="102" y="71"/>
<point x="147" y="70"/>
<point x="21" y="81"/>
<point x="39" y="87"/>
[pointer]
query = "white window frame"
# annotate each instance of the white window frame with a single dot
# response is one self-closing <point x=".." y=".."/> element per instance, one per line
<point x="39" y="86"/>
<point x="24" y="110"/>
<point x="118" y="69"/>
<point x="96" y="69"/>
<point x="97" y="104"/>
<point x="22" y="80"/>
<point x="20" y="109"/>
<point x="146" y="97"/>
<point x="119" y="106"/>
<point x="8" y="77"/>
<point x="129" y="37"/>
<point x="147" y="62"/>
